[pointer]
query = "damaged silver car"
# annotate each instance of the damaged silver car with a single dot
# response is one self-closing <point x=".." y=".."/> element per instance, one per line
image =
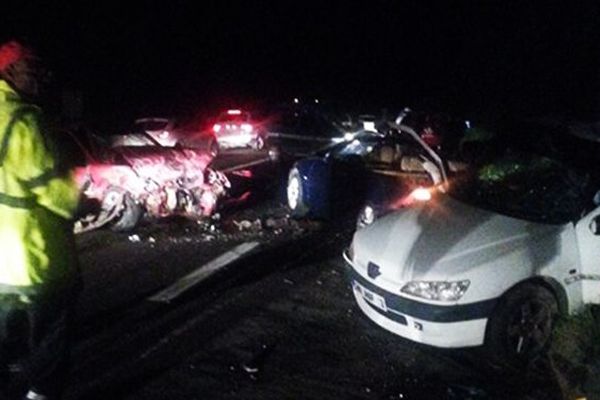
<point x="122" y="184"/>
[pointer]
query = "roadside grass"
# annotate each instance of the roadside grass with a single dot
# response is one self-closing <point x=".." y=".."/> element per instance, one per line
<point x="575" y="350"/>
<point x="577" y="337"/>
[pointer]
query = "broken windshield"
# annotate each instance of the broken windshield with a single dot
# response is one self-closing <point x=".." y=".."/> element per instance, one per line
<point x="530" y="187"/>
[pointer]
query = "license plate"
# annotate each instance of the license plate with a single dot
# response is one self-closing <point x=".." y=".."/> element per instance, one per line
<point x="371" y="297"/>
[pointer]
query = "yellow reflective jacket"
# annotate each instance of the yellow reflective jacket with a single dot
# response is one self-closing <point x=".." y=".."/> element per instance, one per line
<point x="36" y="245"/>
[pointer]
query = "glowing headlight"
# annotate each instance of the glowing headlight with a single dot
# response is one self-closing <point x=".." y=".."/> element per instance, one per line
<point x="437" y="290"/>
<point x="366" y="217"/>
<point x="421" y="194"/>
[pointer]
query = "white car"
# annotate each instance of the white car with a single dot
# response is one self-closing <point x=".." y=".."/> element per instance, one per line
<point x="490" y="263"/>
<point x="236" y="129"/>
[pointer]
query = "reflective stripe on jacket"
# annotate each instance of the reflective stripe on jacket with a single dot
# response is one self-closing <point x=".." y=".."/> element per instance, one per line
<point x="35" y="203"/>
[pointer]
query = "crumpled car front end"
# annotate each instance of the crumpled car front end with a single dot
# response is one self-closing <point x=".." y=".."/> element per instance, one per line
<point x="159" y="183"/>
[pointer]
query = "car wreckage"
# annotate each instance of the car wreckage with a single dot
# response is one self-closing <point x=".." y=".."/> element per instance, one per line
<point x="494" y="259"/>
<point x="121" y="184"/>
<point x="378" y="170"/>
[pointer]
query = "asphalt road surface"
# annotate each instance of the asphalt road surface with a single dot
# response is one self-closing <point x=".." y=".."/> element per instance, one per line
<point x="278" y="323"/>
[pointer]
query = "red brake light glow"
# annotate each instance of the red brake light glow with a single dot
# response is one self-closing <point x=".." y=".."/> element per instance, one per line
<point x="216" y="128"/>
<point x="234" y="112"/>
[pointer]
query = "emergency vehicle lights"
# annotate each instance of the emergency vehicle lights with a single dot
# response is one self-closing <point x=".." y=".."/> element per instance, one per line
<point x="234" y="112"/>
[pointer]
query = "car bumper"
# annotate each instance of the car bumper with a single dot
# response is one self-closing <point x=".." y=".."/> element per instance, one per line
<point x="237" y="140"/>
<point x="441" y="326"/>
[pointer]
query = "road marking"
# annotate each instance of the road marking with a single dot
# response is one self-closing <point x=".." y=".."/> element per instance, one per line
<point x="306" y="138"/>
<point x="246" y="165"/>
<point x="202" y="273"/>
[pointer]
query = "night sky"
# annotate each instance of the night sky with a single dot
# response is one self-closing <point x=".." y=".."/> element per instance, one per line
<point x="190" y="57"/>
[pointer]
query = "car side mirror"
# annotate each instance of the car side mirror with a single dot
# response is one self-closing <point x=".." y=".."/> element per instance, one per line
<point x="596" y="199"/>
<point x="595" y="225"/>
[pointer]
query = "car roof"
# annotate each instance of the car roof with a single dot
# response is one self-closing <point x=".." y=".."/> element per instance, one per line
<point x="151" y="119"/>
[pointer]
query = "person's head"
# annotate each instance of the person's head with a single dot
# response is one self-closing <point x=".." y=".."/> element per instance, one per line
<point x="21" y="68"/>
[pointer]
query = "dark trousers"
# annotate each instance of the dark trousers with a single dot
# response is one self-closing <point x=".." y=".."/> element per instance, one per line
<point x="34" y="340"/>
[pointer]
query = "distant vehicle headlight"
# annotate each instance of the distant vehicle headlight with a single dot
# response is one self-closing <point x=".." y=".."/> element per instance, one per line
<point x="437" y="290"/>
<point x="366" y="217"/>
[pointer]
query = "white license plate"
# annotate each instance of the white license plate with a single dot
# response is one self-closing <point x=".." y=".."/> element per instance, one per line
<point x="371" y="297"/>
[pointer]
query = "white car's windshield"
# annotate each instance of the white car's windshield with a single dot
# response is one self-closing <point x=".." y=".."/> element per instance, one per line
<point x="529" y="187"/>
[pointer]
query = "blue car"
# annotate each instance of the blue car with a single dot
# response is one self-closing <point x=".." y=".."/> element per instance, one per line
<point x="371" y="170"/>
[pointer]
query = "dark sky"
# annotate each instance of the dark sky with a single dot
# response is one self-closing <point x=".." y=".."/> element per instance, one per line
<point x="182" y="56"/>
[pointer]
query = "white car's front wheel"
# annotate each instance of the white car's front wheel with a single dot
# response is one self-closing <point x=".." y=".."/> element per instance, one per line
<point x="521" y="327"/>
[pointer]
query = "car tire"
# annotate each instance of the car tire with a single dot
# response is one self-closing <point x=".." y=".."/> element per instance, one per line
<point x="295" y="195"/>
<point x="213" y="148"/>
<point x="131" y="212"/>
<point x="259" y="143"/>
<point x="520" y="328"/>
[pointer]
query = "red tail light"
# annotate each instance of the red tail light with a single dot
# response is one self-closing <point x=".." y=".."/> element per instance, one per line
<point x="216" y="128"/>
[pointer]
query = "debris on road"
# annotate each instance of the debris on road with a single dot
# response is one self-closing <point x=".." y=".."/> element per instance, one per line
<point x="456" y="391"/>
<point x="254" y="365"/>
<point x="255" y="225"/>
<point x="278" y="223"/>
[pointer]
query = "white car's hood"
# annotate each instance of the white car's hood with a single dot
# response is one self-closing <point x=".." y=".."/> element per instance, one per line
<point x="445" y="239"/>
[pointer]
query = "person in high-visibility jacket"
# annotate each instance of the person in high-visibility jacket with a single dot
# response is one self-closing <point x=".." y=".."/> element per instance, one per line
<point x="38" y="263"/>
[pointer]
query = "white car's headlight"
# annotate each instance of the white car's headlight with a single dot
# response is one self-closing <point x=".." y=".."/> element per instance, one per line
<point x="437" y="290"/>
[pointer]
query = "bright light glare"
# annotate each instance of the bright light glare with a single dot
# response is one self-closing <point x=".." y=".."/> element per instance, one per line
<point x="247" y="128"/>
<point x="369" y="126"/>
<point x="421" y="194"/>
<point x="348" y="136"/>
<point x="296" y="100"/>
<point x="234" y="112"/>
<point x="216" y="128"/>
